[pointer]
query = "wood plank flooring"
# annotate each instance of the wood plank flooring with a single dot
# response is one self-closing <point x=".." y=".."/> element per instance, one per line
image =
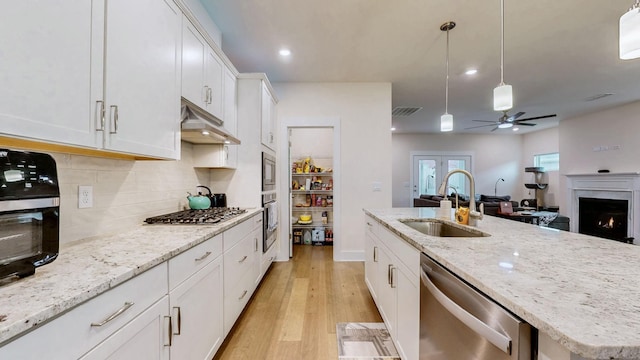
<point x="293" y="314"/>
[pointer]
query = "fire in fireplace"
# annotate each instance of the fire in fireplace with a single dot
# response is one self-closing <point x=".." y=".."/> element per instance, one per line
<point x="605" y="218"/>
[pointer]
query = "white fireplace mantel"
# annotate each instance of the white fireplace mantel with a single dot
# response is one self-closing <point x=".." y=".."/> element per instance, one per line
<point x="618" y="186"/>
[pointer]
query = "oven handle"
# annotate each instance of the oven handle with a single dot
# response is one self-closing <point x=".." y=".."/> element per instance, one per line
<point x="501" y="341"/>
<point x="26" y="204"/>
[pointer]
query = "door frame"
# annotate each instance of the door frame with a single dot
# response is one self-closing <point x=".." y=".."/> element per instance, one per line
<point x="284" y="228"/>
<point x="413" y="154"/>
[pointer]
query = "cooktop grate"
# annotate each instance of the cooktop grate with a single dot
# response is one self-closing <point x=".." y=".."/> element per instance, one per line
<point x="197" y="217"/>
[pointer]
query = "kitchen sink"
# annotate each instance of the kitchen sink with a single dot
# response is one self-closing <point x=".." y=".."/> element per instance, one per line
<point x="441" y="228"/>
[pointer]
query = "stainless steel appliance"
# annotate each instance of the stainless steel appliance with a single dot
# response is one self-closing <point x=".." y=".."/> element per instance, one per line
<point x="268" y="172"/>
<point x="270" y="220"/>
<point x="198" y="217"/>
<point x="459" y="322"/>
<point x="29" y="212"/>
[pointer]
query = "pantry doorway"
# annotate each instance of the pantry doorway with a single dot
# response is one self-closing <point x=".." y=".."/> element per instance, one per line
<point x="310" y="177"/>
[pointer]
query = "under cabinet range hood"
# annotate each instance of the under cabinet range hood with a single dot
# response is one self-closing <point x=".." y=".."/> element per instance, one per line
<point x="198" y="127"/>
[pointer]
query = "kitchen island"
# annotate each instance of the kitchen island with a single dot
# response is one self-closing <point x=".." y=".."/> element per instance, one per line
<point x="581" y="292"/>
<point x="93" y="268"/>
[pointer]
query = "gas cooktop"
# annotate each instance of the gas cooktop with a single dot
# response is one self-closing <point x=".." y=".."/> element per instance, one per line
<point x="197" y="217"/>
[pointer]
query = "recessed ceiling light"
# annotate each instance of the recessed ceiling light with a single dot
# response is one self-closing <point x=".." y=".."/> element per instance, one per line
<point x="515" y="129"/>
<point x="285" y="52"/>
<point x="205" y="132"/>
<point x="393" y="128"/>
<point x="471" y="71"/>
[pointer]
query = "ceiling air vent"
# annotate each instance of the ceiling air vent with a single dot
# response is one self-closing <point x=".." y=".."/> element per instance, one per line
<point x="405" y="110"/>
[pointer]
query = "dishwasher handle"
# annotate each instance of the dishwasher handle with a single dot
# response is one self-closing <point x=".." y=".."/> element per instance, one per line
<point x="501" y="341"/>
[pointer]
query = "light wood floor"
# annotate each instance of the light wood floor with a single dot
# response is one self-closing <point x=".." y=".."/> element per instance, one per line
<point x="293" y="314"/>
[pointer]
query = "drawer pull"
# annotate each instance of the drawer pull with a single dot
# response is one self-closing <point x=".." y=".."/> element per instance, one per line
<point x="244" y="293"/>
<point x="177" y="314"/>
<point x="124" y="308"/>
<point x="243" y="259"/>
<point x="100" y="115"/>
<point x="169" y="335"/>
<point x="204" y="256"/>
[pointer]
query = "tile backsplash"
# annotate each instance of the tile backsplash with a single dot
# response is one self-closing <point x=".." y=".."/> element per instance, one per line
<point x="125" y="192"/>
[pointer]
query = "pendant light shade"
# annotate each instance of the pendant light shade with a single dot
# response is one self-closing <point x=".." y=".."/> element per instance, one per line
<point x="502" y="97"/>
<point x="630" y="33"/>
<point x="446" y="120"/>
<point x="503" y="94"/>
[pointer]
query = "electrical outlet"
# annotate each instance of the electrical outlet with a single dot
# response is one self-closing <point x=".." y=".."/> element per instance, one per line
<point x="85" y="197"/>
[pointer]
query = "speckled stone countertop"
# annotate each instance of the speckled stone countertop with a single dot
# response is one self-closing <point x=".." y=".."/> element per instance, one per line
<point x="582" y="291"/>
<point x="88" y="268"/>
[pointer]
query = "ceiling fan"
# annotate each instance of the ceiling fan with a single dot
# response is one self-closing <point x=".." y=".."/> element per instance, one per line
<point x="506" y="121"/>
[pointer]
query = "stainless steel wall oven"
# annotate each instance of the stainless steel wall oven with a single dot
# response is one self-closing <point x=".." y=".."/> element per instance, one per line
<point x="270" y="220"/>
<point x="29" y="212"/>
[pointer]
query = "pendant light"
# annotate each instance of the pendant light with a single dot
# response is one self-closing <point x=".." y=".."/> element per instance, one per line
<point x="503" y="94"/>
<point x="446" y="120"/>
<point x="630" y="33"/>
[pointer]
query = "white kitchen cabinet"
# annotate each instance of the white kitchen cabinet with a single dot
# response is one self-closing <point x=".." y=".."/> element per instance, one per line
<point x="230" y="102"/>
<point x="145" y="338"/>
<point x="215" y="156"/>
<point x="391" y="273"/>
<point x="202" y="72"/>
<point x="141" y="77"/>
<point x="46" y="71"/>
<point x="73" y="334"/>
<point x="197" y="314"/>
<point x="268" y="119"/>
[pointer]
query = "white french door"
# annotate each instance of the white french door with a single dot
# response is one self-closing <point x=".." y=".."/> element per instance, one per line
<point x="428" y="172"/>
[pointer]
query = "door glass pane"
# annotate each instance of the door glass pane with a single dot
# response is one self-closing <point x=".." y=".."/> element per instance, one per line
<point x="427" y="177"/>
<point x="457" y="181"/>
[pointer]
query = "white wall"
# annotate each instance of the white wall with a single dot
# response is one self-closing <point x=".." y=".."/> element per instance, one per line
<point x="578" y="136"/>
<point x="542" y="142"/>
<point x="364" y="110"/>
<point x="495" y="156"/>
<point x="125" y="192"/>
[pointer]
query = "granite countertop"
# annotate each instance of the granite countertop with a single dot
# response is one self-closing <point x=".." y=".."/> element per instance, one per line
<point x="582" y="291"/>
<point x="88" y="268"/>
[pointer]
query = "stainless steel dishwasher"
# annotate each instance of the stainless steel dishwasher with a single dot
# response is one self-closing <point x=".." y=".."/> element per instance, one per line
<point x="458" y="322"/>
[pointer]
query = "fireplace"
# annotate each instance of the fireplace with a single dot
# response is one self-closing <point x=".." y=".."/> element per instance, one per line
<point x="605" y="218"/>
<point x="605" y="205"/>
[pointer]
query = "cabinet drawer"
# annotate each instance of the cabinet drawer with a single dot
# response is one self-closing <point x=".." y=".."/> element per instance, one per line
<point x="236" y="298"/>
<point x="238" y="232"/>
<point x="194" y="259"/>
<point x="80" y="335"/>
<point x="240" y="259"/>
<point x="405" y="253"/>
<point x="371" y="226"/>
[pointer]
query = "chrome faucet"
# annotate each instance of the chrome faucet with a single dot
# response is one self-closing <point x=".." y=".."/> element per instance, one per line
<point x="474" y="215"/>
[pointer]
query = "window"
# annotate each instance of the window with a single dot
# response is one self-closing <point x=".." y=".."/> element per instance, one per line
<point x="550" y="162"/>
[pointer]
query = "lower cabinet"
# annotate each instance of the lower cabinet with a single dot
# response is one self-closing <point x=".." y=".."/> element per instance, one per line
<point x="391" y="273"/>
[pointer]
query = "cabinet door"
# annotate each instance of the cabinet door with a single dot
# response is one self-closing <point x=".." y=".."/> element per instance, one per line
<point x="196" y="314"/>
<point x="193" y="54"/>
<point x="214" y="69"/>
<point x="265" y="125"/>
<point x="45" y="67"/>
<point x="144" y="338"/>
<point x="408" y="320"/>
<point x="142" y="77"/>
<point x="387" y="304"/>
<point x="230" y="102"/>
<point x="371" y="263"/>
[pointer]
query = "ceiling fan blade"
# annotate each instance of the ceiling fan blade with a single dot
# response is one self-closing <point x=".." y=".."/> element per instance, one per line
<point x="475" y="127"/>
<point x="525" y="124"/>
<point x="538" y="117"/>
<point x="491" y="121"/>
<point x="515" y="116"/>
<point x="494" y="129"/>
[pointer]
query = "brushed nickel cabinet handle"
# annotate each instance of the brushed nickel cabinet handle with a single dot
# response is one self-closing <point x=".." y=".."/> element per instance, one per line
<point x="168" y="334"/>
<point x="243" y="259"/>
<point x="205" y="94"/>
<point x="393" y="278"/>
<point x="244" y="293"/>
<point x="114" y="118"/>
<point x="177" y="315"/>
<point x="210" y="95"/>
<point x="203" y="256"/>
<point x="389" y="273"/>
<point x="375" y="254"/>
<point x="100" y="115"/>
<point x="119" y="312"/>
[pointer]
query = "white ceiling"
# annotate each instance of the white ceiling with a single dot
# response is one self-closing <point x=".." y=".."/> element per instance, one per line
<point x="557" y="53"/>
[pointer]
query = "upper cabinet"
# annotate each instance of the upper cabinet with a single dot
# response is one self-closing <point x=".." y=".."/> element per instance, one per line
<point x="202" y="72"/>
<point x="89" y="74"/>
<point x="230" y="102"/>
<point x="268" y="119"/>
